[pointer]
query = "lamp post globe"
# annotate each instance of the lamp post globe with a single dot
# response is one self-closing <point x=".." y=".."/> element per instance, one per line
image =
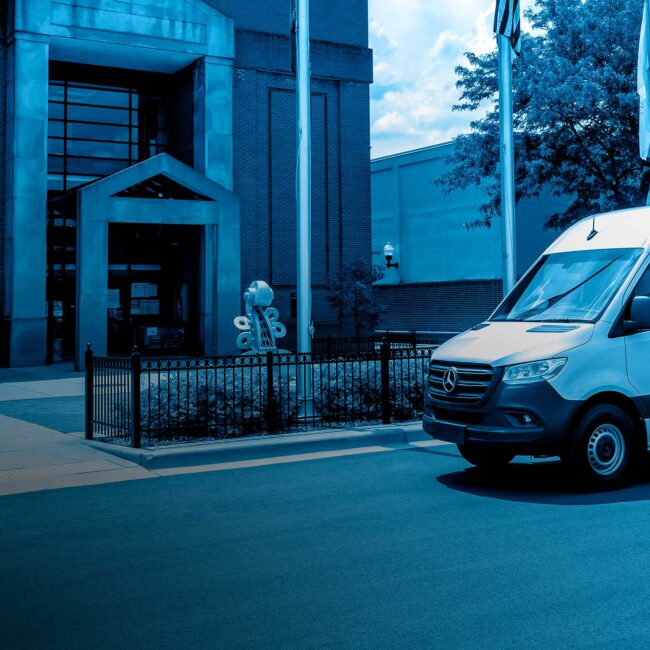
<point x="389" y="251"/>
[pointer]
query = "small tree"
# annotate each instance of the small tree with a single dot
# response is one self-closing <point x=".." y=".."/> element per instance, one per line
<point x="351" y="291"/>
<point x="576" y="111"/>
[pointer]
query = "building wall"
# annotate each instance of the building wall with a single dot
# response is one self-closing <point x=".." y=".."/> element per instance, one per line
<point x="264" y="126"/>
<point x="449" y="275"/>
<point x="263" y="143"/>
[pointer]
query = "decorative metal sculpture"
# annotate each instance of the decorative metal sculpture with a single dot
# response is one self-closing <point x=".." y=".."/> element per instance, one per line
<point x="260" y="326"/>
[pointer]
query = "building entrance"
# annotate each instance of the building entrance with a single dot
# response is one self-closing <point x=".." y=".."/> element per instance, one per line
<point x="153" y="288"/>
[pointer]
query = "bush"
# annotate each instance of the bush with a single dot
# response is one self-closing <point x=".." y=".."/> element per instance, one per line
<point x="231" y="401"/>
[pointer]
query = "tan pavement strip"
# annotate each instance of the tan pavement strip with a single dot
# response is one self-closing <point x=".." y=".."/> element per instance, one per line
<point x="118" y="475"/>
<point x="262" y="462"/>
<point x="43" y="472"/>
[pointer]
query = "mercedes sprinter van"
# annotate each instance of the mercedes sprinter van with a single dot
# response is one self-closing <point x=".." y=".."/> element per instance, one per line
<point x="562" y="367"/>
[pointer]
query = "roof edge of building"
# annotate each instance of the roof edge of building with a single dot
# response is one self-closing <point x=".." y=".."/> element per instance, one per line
<point x="409" y="152"/>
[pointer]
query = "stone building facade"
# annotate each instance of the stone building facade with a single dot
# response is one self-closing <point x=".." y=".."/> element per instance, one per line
<point x="147" y="169"/>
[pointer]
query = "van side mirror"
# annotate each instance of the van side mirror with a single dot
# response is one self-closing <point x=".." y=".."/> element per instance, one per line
<point x="639" y="315"/>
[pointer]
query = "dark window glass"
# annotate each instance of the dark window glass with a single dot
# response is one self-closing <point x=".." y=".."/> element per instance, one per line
<point x="98" y="97"/>
<point x="74" y="181"/>
<point x="98" y="114"/>
<point x="96" y="129"/>
<point x="97" y="149"/>
<point x="54" y="182"/>
<point x="56" y="129"/>
<point x="98" y="132"/>
<point x="55" y="164"/>
<point x="56" y="92"/>
<point x="55" y="146"/>
<point x="93" y="166"/>
<point x="56" y="110"/>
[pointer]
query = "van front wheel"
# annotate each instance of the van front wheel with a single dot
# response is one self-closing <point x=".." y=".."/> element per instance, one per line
<point x="606" y="446"/>
<point x="485" y="457"/>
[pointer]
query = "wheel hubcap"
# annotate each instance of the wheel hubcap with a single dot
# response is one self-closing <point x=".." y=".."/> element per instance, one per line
<point x="606" y="449"/>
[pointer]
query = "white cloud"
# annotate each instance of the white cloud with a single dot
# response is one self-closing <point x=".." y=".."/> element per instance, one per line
<point x="417" y="45"/>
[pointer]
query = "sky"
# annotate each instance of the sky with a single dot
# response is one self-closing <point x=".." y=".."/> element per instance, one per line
<point x="417" y="44"/>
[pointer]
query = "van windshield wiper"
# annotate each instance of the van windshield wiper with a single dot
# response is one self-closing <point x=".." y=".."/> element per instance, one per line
<point x="549" y="302"/>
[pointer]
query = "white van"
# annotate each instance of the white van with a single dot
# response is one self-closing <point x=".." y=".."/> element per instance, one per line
<point x="562" y="367"/>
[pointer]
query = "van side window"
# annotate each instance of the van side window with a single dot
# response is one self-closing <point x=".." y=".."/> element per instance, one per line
<point x="643" y="285"/>
<point x="642" y="289"/>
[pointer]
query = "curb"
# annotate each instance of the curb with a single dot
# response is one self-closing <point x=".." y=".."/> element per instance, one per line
<point x="224" y="451"/>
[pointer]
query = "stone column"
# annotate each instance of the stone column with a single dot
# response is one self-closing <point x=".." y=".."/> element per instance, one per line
<point x="228" y="279"/>
<point x="213" y="156"/>
<point x="213" y="136"/>
<point x="92" y="283"/>
<point x="25" y="313"/>
<point x="208" y="272"/>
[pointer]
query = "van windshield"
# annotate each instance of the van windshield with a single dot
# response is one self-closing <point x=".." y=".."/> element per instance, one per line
<point x="572" y="286"/>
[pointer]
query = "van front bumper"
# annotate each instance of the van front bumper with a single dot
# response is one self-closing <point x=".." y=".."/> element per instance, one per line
<point x="502" y="419"/>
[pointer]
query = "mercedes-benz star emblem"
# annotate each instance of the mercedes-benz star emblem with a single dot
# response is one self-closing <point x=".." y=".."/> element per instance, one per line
<point x="450" y="379"/>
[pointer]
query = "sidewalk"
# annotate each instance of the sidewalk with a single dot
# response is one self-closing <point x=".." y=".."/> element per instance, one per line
<point x="42" y="446"/>
<point x="34" y="458"/>
<point x="47" y="396"/>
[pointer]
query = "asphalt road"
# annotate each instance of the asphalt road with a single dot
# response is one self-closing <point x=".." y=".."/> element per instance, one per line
<point x="392" y="549"/>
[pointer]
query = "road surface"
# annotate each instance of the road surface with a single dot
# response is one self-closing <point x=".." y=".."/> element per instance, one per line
<point x="400" y="548"/>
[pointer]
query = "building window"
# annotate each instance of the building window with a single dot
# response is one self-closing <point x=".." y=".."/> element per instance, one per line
<point x="97" y="128"/>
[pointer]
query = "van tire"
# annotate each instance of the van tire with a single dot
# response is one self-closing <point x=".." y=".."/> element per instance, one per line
<point x="606" y="447"/>
<point x="485" y="457"/>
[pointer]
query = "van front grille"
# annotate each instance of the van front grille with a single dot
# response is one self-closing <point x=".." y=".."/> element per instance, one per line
<point x="472" y="382"/>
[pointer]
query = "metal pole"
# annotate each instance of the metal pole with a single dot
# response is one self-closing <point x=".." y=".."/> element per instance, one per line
<point x="507" y="163"/>
<point x="90" y="392"/>
<point x="303" y="200"/>
<point x="136" y="371"/>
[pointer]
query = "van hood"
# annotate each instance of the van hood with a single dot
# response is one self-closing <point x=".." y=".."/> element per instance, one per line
<point x="501" y="343"/>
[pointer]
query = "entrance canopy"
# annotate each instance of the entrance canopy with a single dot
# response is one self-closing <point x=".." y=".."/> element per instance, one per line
<point x="162" y="191"/>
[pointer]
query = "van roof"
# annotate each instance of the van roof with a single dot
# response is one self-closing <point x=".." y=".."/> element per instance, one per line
<point x="620" y="229"/>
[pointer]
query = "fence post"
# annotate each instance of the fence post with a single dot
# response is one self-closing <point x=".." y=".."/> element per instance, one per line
<point x="135" y="398"/>
<point x="270" y="410"/>
<point x="384" y="359"/>
<point x="89" y="392"/>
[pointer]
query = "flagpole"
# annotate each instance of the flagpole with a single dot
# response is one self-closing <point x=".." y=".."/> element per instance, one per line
<point x="643" y="88"/>
<point x="303" y="200"/>
<point x="507" y="162"/>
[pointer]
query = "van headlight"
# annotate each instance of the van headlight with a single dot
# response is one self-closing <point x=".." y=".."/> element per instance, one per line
<point x="524" y="373"/>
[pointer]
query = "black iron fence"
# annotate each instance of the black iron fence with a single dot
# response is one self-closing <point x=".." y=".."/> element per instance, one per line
<point x="135" y="399"/>
<point x="395" y="339"/>
<point x="414" y="337"/>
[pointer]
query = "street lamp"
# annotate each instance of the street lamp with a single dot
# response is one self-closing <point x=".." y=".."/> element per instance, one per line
<point x="389" y="251"/>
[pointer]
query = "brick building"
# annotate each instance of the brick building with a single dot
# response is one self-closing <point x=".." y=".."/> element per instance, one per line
<point x="147" y="169"/>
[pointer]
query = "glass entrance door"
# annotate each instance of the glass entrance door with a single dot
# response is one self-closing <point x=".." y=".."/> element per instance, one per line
<point x="153" y="289"/>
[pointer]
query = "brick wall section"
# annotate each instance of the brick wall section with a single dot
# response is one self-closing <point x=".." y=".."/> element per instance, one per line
<point x="441" y="307"/>
<point x="264" y="123"/>
<point x="335" y="21"/>
<point x="3" y="144"/>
